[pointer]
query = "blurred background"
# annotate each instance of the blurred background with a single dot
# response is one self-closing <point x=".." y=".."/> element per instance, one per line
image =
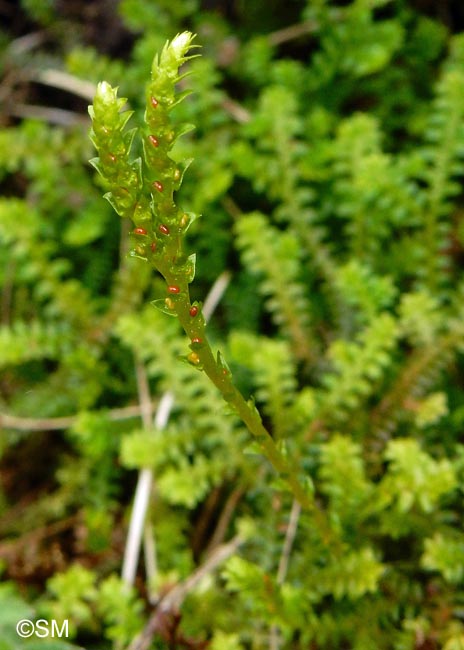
<point x="328" y="165"/>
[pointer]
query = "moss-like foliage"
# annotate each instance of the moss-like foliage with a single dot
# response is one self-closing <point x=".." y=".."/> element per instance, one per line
<point x="322" y="436"/>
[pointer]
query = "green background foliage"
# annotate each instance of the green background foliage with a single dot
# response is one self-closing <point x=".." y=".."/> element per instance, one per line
<point x="328" y="167"/>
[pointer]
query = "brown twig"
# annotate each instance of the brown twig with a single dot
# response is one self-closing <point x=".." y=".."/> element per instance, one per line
<point x="143" y="389"/>
<point x="26" y="43"/>
<point x="288" y="543"/>
<point x="284" y="562"/>
<point x="208" y="514"/>
<point x="7" y="293"/>
<point x="65" y="81"/>
<point x="293" y="31"/>
<point x="46" y="114"/>
<point x="238" y="112"/>
<point x="224" y="519"/>
<point x="56" y="424"/>
<point x="38" y="534"/>
<point x="169" y="606"/>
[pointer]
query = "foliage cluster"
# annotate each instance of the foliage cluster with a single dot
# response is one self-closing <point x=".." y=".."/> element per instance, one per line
<point x="328" y="162"/>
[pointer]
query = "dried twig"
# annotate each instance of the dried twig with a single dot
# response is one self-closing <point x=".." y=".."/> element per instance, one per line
<point x="25" y="43"/>
<point x="141" y="499"/>
<point x="65" y="81"/>
<point x="238" y="112"/>
<point x="56" y="424"/>
<point x="293" y="31"/>
<point x="143" y="389"/>
<point x="274" y="640"/>
<point x="47" y="114"/>
<point x="224" y="519"/>
<point x="37" y="535"/>
<point x="288" y="543"/>
<point x="170" y="604"/>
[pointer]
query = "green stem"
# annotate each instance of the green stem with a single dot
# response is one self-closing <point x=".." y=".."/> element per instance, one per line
<point x="203" y="358"/>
